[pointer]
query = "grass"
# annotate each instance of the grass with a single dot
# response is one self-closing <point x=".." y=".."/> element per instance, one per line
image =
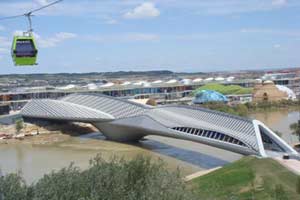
<point x="248" y="178"/>
<point x="230" y="89"/>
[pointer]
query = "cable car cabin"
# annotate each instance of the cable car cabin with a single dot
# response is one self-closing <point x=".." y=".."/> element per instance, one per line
<point x="24" y="51"/>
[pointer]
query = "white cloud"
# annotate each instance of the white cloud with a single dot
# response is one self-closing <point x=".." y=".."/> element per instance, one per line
<point x="127" y="37"/>
<point x="54" y="40"/>
<point x="2" y="28"/>
<point x="18" y="33"/>
<point x="276" y="46"/>
<point x="50" y="41"/>
<point x="142" y="37"/>
<point x="111" y="21"/>
<point x="41" y="2"/>
<point x="145" y="10"/>
<point x="4" y="46"/>
<point x="4" y="50"/>
<point x="287" y="33"/>
<point x="227" y="7"/>
<point x="113" y="8"/>
<point x="4" y="42"/>
<point x="279" y="2"/>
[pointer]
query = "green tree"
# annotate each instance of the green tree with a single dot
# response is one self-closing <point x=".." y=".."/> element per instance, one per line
<point x="13" y="187"/>
<point x="19" y="124"/>
<point x="242" y="110"/>
<point x="295" y="127"/>
<point x="116" y="178"/>
<point x="278" y="133"/>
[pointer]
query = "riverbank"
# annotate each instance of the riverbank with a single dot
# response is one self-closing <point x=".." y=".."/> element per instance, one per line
<point x="43" y="134"/>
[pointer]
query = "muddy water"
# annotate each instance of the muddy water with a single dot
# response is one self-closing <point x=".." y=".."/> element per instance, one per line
<point x="280" y="121"/>
<point x="33" y="161"/>
<point x="36" y="160"/>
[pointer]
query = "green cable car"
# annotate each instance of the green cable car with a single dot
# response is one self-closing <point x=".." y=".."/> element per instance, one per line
<point x="24" y="51"/>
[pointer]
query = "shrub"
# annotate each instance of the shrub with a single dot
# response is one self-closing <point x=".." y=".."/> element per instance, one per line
<point x="13" y="187"/>
<point x="19" y="124"/>
<point x="139" y="178"/>
<point x="295" y="127"/>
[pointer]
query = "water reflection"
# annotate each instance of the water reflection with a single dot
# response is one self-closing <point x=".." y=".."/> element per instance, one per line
<point x="196" y="158"/>
<point x="280" y="121"/>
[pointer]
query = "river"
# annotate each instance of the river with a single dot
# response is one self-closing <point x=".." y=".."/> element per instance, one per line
<point x="33" y="161"/>
<point x="280" y="121"/>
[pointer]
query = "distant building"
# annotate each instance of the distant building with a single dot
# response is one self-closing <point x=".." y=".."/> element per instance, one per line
<point x="4" y="109"/>
<point x="267" y="91"/>
<point x="290" y="80"/>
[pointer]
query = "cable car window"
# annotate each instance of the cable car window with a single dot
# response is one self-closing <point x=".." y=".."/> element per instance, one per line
<point x="25" y="48"/>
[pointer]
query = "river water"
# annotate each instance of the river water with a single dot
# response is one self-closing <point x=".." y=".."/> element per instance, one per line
<point x="33" y="161"/>
<point x="280" y="121"/>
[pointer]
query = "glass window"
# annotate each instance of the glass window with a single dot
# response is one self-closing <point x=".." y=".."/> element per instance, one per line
<point x="25" y="48"/>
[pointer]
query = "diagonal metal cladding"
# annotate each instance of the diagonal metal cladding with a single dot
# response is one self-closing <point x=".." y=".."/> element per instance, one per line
<point x="60" y="110"/>
<point x="119" y="108"/>
<point x="122" y="120"/>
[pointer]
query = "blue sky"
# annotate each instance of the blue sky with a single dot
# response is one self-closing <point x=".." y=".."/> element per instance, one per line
<point x="179" y="35"/>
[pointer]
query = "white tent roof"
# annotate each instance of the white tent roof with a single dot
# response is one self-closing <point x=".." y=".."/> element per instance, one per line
<point x="291" y="94"/>
<point x="126" y="83"/>
<point x="108" y="85"/>
<point x="186" y="81"/>
<point x="209" y="79"/>
<point x="68" y="87"/>
<point x="171" y="81"/>
<point x="219" y="79"/>
<point x="91" y="86"/>
<point x="230" y="78"/>
<point x="197" y="80"/>
<point x="157" y="82"/>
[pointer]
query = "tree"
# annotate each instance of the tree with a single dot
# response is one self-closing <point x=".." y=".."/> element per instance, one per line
<point x="13" y="187"/>
<point x="295" y="127"/>
<point x="117" y="178"/>
<point x="242" y="110"/>
<point x="19" y="125"/>
<point x="278" y="133"/>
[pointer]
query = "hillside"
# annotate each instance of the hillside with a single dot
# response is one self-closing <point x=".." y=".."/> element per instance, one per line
<point x="248" y="178"/>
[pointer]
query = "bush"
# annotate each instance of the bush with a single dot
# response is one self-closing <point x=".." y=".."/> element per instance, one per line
<point x="240" y="109"/>
<point x="19" y="124"/>
<point x="243" y="109"/>
<point x="295" y="128"/>
<point x="13" y="187"/>
<point x="271" y="105"/>
<point x="139" y="178"/>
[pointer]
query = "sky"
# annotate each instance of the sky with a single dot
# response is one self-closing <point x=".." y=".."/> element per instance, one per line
<point x="180" y="35"/>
